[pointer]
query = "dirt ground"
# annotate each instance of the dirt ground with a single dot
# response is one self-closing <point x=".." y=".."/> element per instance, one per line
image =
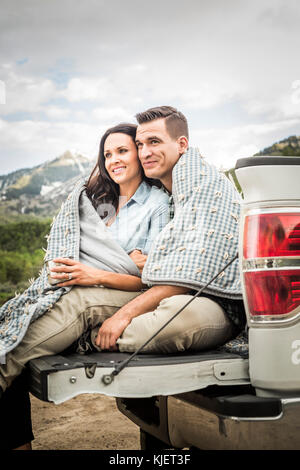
<point x="89" y="421"/>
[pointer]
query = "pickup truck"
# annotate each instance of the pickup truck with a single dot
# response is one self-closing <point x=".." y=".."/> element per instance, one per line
<point x="242" y="396"/>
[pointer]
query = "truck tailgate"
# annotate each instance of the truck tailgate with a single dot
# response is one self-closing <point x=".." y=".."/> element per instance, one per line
<point x="61" y="377"/>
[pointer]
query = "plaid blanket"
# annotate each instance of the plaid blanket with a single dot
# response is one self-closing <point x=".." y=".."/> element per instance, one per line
<point x="64" y="242"/>
<point x="203" y="235"/>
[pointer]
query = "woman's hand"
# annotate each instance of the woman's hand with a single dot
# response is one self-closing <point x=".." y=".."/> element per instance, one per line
<point x="83" y="275"/>
<point x="78" y="273"/>
<point x="111" y="330"/>
<point x="139" y="259"/>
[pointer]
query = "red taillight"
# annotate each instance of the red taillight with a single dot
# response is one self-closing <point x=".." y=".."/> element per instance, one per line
<point x="272" y="292"/>
<point x="271" y="263"/>
<point x="268" y="235"/>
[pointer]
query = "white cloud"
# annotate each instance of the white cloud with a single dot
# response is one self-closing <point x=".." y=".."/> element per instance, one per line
<point x="55" y="112"/>
<point x="110" y="115"/>
<point x="86" y="88"/>
<point x="295" y="96"/>
<point x="98" y="63"/>
<point x="41" y="141"/>
<point x="223" y="146"/>
<point x="285" y="104"/>
<point x="25" y="93"/>
<point x="2" y="92"/>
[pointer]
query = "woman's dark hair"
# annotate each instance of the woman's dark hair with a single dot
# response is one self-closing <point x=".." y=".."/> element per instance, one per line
<point x="100" y="188"/>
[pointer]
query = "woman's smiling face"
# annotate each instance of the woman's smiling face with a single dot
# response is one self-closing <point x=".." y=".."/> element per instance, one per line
<point x="121" y="159"/>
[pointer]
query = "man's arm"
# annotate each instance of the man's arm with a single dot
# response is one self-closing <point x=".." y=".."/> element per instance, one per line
<point x="113" y="327"/>
<point x="139" y="259"/>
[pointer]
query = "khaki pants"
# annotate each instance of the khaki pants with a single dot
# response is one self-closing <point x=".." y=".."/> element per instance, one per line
<point x="202" y="325"/>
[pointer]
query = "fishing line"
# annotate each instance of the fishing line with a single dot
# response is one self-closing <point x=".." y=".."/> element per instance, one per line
<point x="108" y="378"/>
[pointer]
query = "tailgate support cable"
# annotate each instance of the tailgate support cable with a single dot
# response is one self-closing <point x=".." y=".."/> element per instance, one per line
<point x="108" y="378"/>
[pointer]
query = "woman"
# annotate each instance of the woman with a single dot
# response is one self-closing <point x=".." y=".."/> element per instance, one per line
<point x="132" y="206"/>
<point x="120" y="213"/>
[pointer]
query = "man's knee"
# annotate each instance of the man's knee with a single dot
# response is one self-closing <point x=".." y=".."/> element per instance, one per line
<point x="175" y="302"/>
<point x="143" y="327"/>
<point x="200" y="325"/>
<point x="182" y="310"/>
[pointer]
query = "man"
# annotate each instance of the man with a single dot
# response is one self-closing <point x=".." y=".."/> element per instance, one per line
<point x="162" y="139"/>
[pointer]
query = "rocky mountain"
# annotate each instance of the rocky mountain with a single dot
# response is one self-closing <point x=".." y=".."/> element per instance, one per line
<point x="286" y="147"/>
<point x="41" y="179"/>
<point x="41" y="190"/>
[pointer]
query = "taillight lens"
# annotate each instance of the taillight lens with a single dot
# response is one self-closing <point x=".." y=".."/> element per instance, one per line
<point x="268" y="235"/>
<point x="272" y="292"/>
<point x="272" y="284"/>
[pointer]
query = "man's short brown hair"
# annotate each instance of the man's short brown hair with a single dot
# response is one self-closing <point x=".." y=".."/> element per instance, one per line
<point x="176" y="122"/>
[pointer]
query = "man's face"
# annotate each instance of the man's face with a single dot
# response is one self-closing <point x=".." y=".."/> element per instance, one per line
<point x="157" y="151"/>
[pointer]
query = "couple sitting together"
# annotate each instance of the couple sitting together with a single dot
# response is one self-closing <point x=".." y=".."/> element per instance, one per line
<point x="129" y="247"/>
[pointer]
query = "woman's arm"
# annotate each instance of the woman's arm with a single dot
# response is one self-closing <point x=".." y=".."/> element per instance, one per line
<point x="83" y="275"/>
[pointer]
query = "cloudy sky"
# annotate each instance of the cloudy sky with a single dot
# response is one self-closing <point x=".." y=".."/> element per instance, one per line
<point x="69" y="69"/>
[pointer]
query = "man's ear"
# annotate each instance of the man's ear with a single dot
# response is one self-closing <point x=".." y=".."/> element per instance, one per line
<point x="183" y="144"/>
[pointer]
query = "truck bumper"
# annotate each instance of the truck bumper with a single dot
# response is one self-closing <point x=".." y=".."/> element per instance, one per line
<point x="193" y="425"/>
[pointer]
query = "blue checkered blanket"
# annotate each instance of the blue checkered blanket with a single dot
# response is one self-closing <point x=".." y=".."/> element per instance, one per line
<point x="203" y="235"/>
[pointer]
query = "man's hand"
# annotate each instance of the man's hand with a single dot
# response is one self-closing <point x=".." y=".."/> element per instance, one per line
<point x="111" y="330"/>
<point x="78" y="273"/>
<point x="113" y="327"/>
<point x="139" y="259"/>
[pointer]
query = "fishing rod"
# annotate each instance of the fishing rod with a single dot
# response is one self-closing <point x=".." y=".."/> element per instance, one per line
<point x="107" y="379"/>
